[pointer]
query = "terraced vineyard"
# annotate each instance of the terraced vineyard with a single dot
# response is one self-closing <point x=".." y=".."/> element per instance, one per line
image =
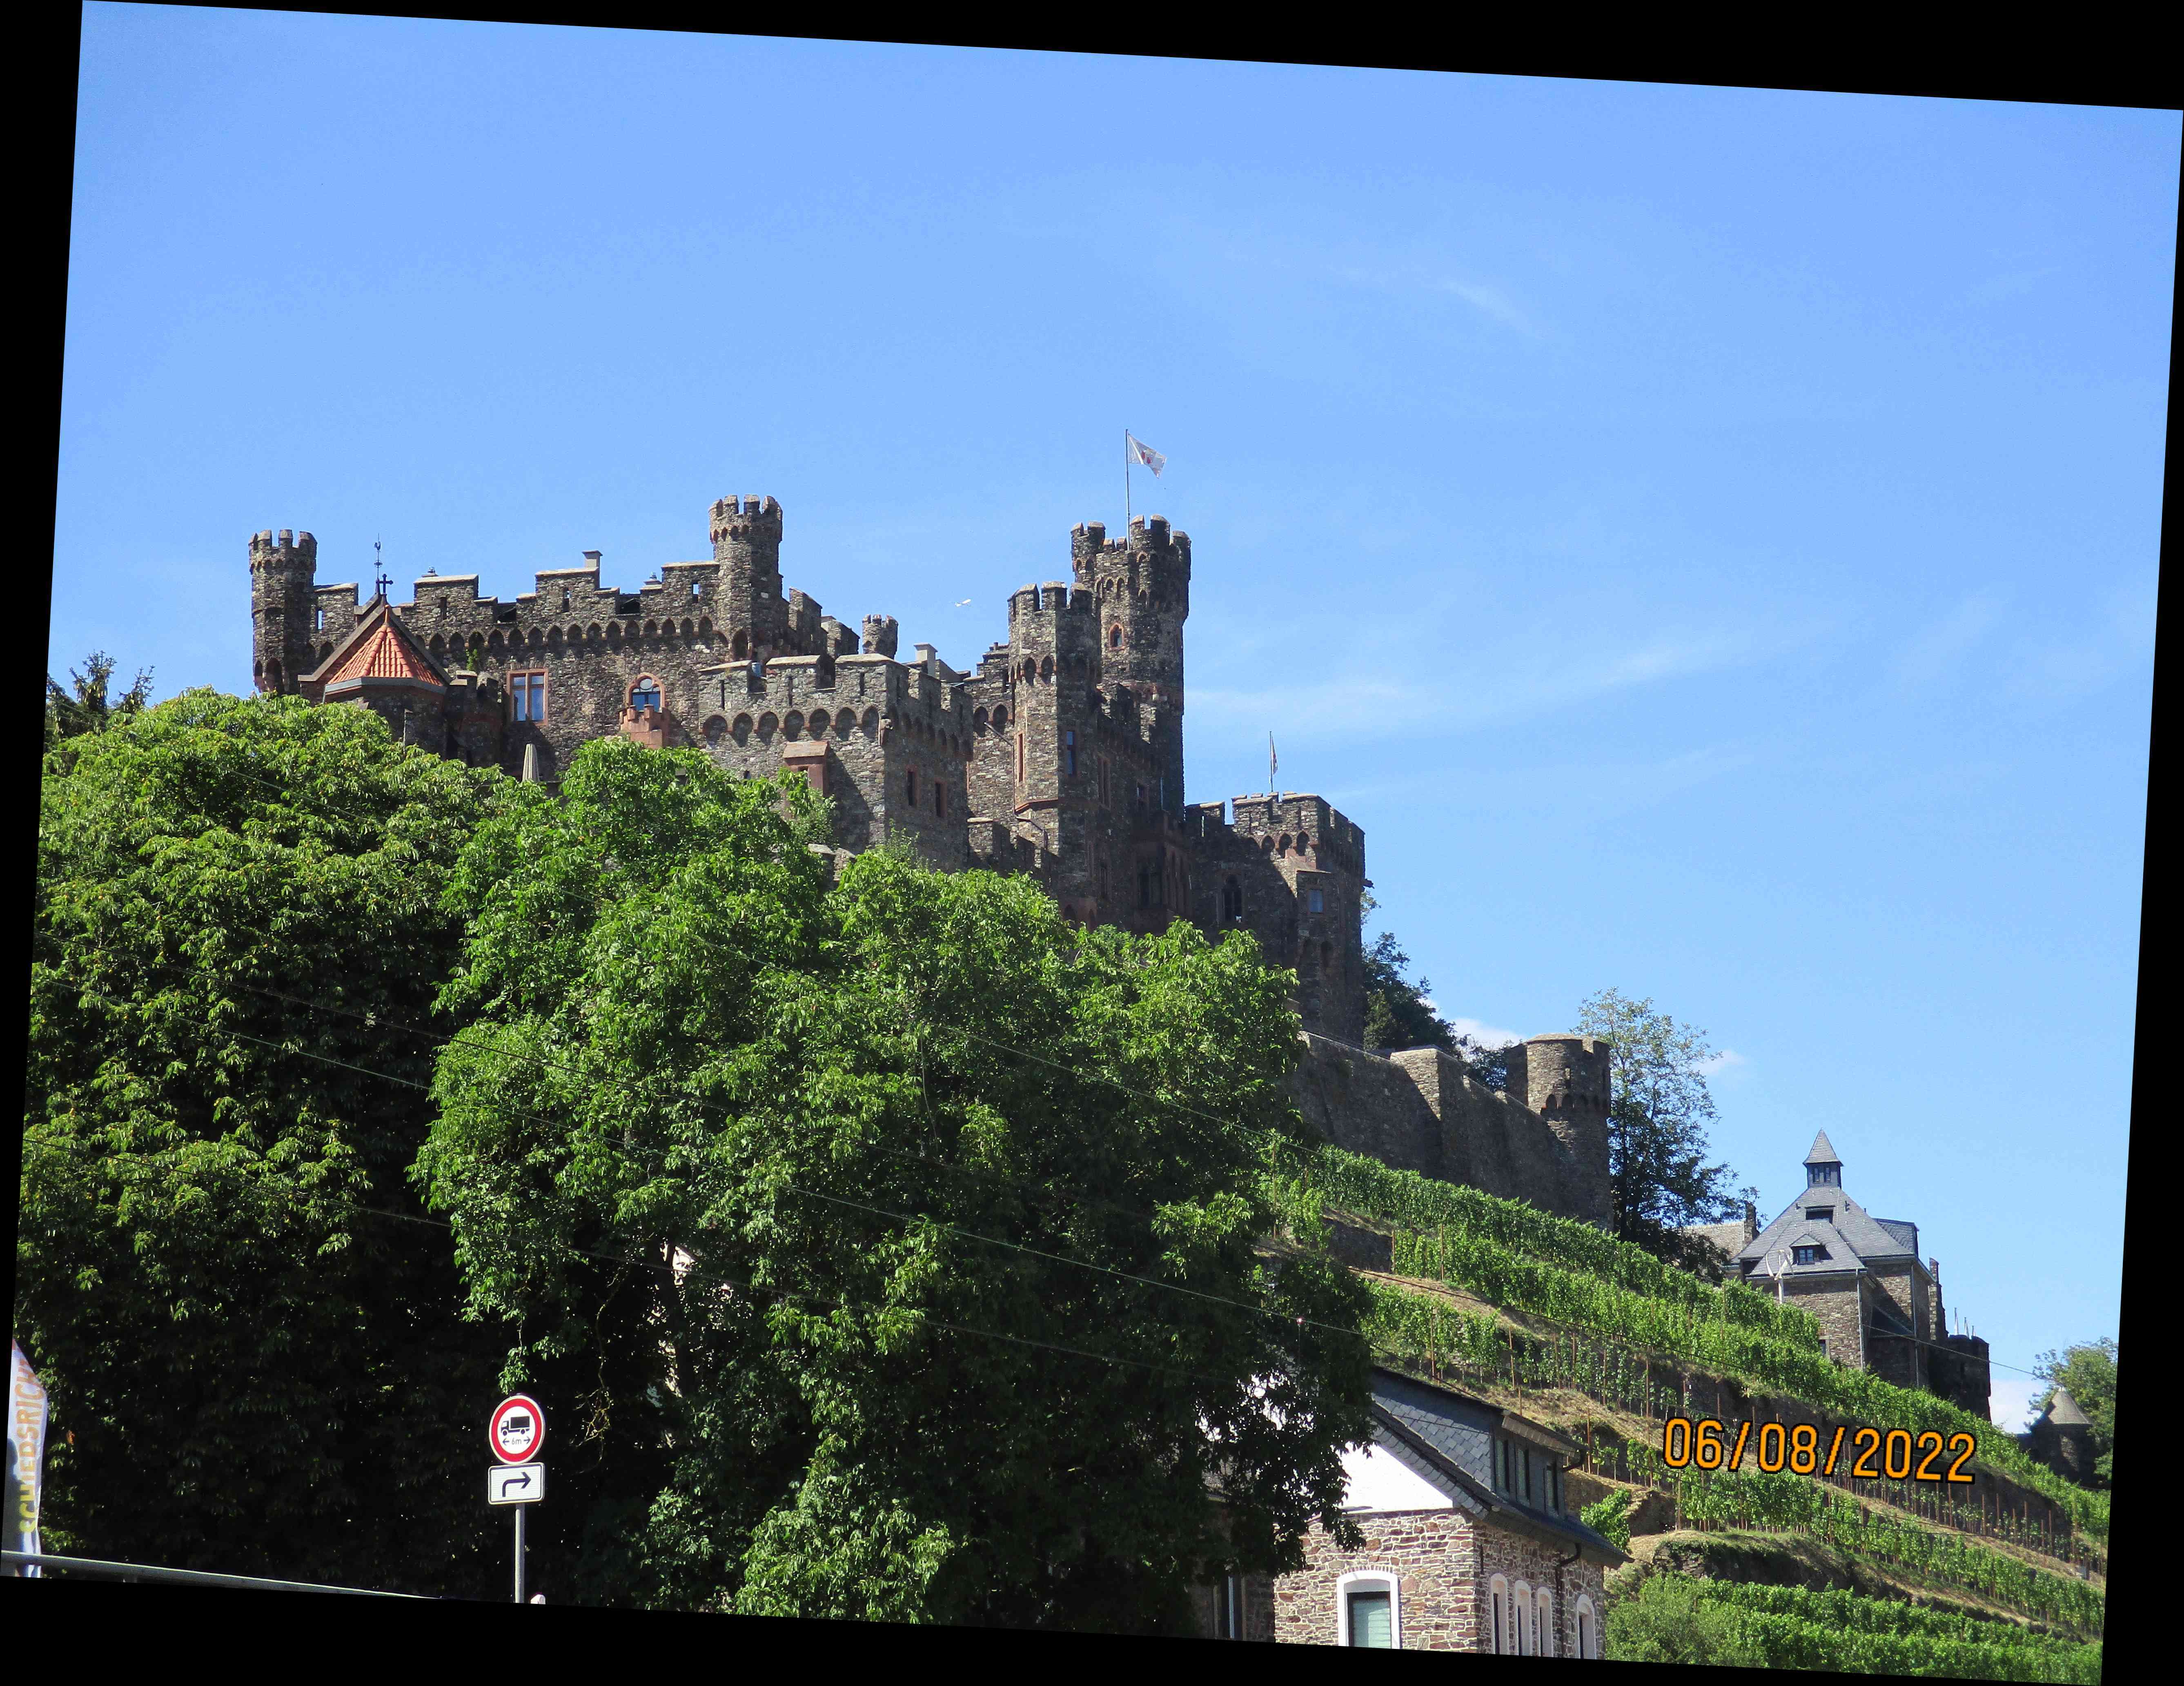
<point x="1498" y="1298"/>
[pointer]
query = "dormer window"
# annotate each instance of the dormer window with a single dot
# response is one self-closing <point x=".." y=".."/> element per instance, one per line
<point x="1819" y="1214"/>
<point x="1811" y="1253"/>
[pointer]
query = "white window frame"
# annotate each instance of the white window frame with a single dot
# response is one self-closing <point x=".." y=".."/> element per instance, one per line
<point x="1500" y="1635"/>
<point x="1543" y="1602"/>
<point x="1588" y="1626"/>
<point x="1521" y="1598"/>
<point x="1368" y="1580"/>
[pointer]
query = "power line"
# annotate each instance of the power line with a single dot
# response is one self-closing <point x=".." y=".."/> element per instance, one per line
<point x="969" y="1235"/>
<point x="415" y="756"/>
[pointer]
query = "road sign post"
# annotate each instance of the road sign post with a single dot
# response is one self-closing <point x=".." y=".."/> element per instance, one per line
<point x="516" y="1432"/>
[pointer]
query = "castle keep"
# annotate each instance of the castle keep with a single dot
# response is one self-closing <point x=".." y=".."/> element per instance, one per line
<point x="1060" y="757"/>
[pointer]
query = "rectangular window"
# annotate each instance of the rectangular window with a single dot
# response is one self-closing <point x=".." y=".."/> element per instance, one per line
<point x="1319" y="902"/>
<point x="1069" y="753"/>
<point x="1370" y="1621"/>
<point x="528" y="695"/>
<point x="1819" y="1214"/>
<point x="1020" y="758"/>
<point x="1229" y="1608"/>
<point x="939" y="800"/>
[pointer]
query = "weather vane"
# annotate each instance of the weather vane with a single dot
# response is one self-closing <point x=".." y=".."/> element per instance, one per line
<point x="382" y="582"/>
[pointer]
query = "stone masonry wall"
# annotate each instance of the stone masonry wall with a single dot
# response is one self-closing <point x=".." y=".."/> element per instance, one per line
<point x="1418" y="1111"/>
<point x="1442" y="1563"/>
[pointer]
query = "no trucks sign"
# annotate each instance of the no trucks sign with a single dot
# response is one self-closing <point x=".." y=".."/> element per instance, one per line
<point x="518" y="1429"/>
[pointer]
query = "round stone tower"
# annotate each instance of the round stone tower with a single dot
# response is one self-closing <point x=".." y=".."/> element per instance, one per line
<point x="284" y="568"/>
<point x="1565" y="1080"/>
<point x="747" y="545"/>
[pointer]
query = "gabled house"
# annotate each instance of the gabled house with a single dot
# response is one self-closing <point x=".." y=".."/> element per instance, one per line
<point x="1470" y="1543"/>
<point x="1878" y="1303"/>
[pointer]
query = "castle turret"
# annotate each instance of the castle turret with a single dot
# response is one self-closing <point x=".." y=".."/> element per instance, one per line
<point x="1142" y="584"/>
<point x="747" y="547"/>
<point x="879" y="638"/>
<point x="1564" y="1078"/>
<point x="1291" y="869"/>
<point x="284" y="569"/>
<point x="1054" y="636"/>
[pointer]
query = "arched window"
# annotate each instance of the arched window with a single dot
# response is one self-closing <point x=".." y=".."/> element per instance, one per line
<point x="1114" y="637"/>
<point x="645" y="693"/>
<point x="1521" y="1620"/>
<point x="1543" y="1623"/>
<point x="1500" y="1634"/>
<point x="1588" y="1641"/>
<point x="739" y="646"/>
<point x="1366" y="1610"/>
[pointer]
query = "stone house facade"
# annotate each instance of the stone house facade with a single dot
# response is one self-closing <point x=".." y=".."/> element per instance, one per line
<point x="1061" y="756"/>
<point x="1470" y="1542"/>
<point x="1878" y="1303"/>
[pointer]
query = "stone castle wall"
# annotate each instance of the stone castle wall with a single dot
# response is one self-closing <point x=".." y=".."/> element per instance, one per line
<point x="1060" y="757"/>
<point x="1419" y="1110"/>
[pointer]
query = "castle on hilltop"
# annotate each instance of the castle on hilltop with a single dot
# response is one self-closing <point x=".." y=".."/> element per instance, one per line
<point x="1060" y="757"/>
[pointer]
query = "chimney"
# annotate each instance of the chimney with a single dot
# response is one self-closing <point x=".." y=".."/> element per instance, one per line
<point x="927" y="656"/>
<point x="593" y="557"/>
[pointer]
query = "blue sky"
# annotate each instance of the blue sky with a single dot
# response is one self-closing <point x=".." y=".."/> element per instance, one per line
<point x="1707" y="538"/>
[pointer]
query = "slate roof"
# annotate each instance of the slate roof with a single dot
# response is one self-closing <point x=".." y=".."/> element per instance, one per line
<point x="1447" y="1439"/>
<point x="1822" y="1152"/>
<point x="1852" y="1237"/>
<point x="2064" y="1409"/>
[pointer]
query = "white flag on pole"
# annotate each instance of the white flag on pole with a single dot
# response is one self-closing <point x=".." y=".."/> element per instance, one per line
<point x="26" y="1452"/>
<point x="1145" y="454"/>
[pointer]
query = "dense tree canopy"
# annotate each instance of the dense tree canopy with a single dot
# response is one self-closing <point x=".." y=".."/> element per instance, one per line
<point x="1658" y="1108"/>
<point x="237" y="906"/>
<point x="892" y="1248"/>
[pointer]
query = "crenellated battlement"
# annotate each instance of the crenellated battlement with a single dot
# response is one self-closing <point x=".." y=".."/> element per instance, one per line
<point x="282" y="546"/>
<point x="745" y="518"/>
<point x="1051" y="598"/>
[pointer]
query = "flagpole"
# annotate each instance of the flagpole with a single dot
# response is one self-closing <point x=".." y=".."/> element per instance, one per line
<point x="1126" y="477"/>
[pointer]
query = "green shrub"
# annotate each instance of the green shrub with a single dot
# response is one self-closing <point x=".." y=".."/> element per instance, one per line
<point x="1610" y="1518"/>
<point x="1669" y="1621"/>
<point x="1843" y="1633"/>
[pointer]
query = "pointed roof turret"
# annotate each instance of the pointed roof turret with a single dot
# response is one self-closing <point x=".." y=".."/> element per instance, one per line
<point x="1822" y="1152"/>
<point x="2063" y="1410"/>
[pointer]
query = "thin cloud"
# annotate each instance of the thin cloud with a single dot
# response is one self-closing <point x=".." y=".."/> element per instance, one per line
<point x="1486" y="1036"/>
<point x="1347" y="702"/>
<point x="1940" y="651"/>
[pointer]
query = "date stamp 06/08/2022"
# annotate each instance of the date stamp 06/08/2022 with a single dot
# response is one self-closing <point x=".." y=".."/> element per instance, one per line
<point x="1895" y="1453"/>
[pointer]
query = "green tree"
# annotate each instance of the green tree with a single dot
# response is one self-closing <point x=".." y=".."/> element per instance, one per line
<point x="1398" y="1014"/>
<point x="2088" y="1369"/>
<point x="1658" y="1108"/>
<point x="1401" y="1015"/>
<point x="248" y="1373"/>
<point x="81" y="705"/>
<point x="1666" y="1620"/>
<point x="894" y="1247"/>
